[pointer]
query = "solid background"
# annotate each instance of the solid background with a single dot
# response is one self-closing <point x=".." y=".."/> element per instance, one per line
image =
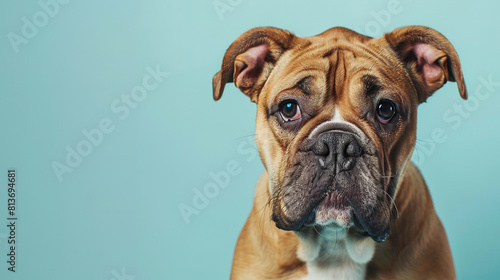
<point x="116" y="215"/>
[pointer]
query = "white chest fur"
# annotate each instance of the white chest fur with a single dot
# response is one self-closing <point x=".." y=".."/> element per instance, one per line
<point x="332" y="253"/>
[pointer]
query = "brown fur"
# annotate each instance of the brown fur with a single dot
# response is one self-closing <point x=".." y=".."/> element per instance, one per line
<point x="327" y="72"/>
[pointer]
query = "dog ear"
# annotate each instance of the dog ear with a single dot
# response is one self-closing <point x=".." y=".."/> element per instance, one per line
<point x="429" y="57"/>
<point x="250" y="59"/>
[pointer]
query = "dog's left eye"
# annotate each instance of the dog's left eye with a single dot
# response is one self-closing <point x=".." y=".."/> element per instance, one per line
<point x="290" y="110"/>
<point x="385" y="110"/>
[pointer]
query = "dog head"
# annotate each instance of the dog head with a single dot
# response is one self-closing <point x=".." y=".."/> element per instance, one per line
<point x="336" y="117"/>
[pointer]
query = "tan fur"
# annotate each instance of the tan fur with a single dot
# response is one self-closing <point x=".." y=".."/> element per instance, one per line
<point x="335" y="63"/>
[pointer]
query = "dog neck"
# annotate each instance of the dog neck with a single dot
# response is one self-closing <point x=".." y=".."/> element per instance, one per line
<point x="334" y="253"/>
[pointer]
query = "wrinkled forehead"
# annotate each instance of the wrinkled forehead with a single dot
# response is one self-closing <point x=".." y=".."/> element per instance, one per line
<point x="327" y="64"/>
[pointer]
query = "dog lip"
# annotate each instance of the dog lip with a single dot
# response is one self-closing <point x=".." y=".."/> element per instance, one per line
<point x="334" y="209"/>
<point x="332" y="201"/>
<point x="378" y="234"/>
<point x="295" y="226"/>
<point x="335" y="199"/>
<point x="381" y="237"/>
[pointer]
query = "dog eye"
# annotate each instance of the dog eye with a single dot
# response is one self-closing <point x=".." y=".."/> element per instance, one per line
<point x="385" y="110"/>
<point x="290" y="110"/>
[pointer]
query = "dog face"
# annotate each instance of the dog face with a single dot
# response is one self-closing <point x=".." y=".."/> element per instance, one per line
<point x="336" y="117"/>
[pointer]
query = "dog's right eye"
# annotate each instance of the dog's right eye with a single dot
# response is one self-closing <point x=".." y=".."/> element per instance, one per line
<point x="290" y="110"/>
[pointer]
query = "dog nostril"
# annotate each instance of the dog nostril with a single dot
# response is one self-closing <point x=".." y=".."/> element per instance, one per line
<point x="353" y="149"/>
<point x="321" y="149"/>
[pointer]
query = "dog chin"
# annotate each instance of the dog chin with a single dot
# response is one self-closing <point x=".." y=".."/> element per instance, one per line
<point x="334" y="211"/>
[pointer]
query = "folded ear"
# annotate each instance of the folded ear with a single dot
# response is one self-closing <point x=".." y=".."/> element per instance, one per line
<point x="429" y="57"/>
<point x="250" y="59"/>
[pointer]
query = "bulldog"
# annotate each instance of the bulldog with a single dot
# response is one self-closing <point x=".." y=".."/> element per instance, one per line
<point x="335" y="129"/>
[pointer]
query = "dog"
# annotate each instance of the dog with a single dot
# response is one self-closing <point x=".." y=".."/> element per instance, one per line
<point x="335" y="130"/>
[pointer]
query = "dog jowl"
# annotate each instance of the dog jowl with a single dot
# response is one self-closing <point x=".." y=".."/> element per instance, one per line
<point x="335" y="129"/>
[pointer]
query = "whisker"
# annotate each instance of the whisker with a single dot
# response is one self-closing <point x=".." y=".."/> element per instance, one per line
<point x="316" y="230"/>
<point x="393" y="203"/>
<point x="244" y="136"/>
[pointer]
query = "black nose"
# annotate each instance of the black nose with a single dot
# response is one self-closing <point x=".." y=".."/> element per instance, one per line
<point x="337" y="151"/>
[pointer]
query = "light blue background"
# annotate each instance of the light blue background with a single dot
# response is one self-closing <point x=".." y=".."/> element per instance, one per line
<point x="117" y="213"/>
